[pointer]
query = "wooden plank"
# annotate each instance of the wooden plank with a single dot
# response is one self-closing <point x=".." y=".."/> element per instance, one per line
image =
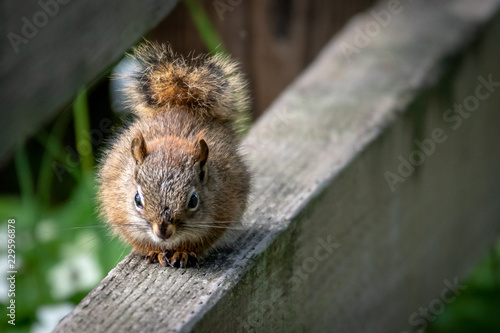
<point x="326" y="244"/>
<point x="51" y="48"/>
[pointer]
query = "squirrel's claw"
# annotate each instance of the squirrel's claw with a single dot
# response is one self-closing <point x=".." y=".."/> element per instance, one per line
<point x="181" y="259"/>
<point x="162" y="258"/>
<point x="152" y="257"/>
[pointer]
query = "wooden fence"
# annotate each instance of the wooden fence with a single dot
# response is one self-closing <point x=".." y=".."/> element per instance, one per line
<point x="52" y="48"/>
<point x="375" y="194"/>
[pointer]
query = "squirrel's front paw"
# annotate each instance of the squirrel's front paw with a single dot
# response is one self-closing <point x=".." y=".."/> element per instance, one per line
<point x="177" y="258"/>
<point x="152" y="257"/>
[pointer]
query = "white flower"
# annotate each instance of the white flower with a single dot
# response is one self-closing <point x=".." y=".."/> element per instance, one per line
<point x="49" y="315"/>
<point x="78" y="271"/>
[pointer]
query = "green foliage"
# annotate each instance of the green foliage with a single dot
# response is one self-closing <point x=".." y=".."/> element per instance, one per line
<point x="205" y="28"/>
<point x="62" y="251"/>
<point x="82" y="128"/>
<point x="478" y="307"/>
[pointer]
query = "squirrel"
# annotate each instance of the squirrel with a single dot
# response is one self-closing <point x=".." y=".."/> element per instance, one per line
<point x="174" y="181"/>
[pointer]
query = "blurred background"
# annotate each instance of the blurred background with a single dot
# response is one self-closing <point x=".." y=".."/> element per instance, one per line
<point x="56" y="121"/>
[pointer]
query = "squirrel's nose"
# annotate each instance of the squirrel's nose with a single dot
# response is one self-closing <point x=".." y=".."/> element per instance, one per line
<point x="163" y="230"/>
<point x="162" y="235"/>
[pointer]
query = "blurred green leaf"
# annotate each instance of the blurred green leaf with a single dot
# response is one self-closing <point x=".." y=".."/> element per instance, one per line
<point x="205" y="28"/>
<point x="82" y="130"/>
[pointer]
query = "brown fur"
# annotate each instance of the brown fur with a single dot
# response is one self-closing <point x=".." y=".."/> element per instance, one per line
<point x="183" y="139"/>
<point x="209" y="87"/>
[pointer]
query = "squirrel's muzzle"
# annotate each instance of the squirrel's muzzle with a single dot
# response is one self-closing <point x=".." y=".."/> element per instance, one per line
<point x="163" y="230"/>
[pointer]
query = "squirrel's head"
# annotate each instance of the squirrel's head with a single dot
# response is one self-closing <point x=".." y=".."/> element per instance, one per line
<point x="171" y="196"/>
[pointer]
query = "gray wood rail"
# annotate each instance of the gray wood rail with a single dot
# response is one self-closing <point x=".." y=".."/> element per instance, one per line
<point x="51" y="48"/>
<point x="372" y="197"/>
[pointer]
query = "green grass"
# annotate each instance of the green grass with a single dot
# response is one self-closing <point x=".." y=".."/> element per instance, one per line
<point x="62" y="250"/>
<point x="82" y="131"/>
<point x="477" y="308"/>
<point x="205" y="27"/>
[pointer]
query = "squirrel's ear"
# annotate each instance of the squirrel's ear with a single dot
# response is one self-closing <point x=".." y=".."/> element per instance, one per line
<point x="202" y="158"/>
<point x="138" y="148"/>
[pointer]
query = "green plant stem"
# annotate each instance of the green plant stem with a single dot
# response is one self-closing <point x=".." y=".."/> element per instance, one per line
<point x="24" y="177"/>
<point x="205" y="28"/>
<point x="53" y="151"/>
<point x="82" y="132"/>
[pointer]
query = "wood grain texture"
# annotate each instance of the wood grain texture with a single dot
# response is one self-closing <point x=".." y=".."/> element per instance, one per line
<point x="74" y="43"/>
<point x="326" y="245"/>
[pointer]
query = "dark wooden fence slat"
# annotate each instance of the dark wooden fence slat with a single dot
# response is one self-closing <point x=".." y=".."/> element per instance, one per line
<point x="51" y="48"/>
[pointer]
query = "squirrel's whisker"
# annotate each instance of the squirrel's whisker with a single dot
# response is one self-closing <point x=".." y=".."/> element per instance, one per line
<point x="213" y="222"/>
<point x="84" y="227"/>
<point x="215" y="226"/>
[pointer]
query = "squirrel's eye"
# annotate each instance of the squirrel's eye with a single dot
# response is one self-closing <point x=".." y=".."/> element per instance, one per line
<point x="193" y="201"/>
<point x="138" y="201"/>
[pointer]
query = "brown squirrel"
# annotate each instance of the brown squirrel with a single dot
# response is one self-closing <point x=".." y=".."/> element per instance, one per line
<point x="173" y="181"/>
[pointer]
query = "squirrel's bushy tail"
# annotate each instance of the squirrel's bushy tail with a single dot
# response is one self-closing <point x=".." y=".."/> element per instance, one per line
<point x="209" y="86"/>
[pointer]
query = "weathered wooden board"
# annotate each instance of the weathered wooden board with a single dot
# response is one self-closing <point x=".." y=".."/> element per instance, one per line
<point x="327" y="245"/>
<point x="51" y="48"/>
